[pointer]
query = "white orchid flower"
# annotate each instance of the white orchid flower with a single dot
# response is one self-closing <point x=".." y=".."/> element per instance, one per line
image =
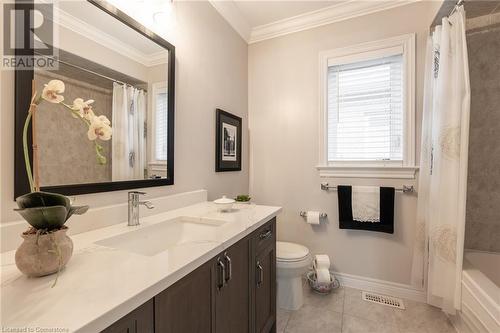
<point x="52" y="90"/>
<point x="99" y="128"/>
<point x="104" y="119"/>
<point x="84" y="108"/>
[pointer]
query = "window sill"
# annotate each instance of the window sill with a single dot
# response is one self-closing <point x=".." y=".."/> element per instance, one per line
<point x="157" y="165"/>
<point x="387" y="172"/>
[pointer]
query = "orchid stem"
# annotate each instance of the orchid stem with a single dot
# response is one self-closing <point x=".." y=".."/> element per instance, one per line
<point x="26" y="154"/>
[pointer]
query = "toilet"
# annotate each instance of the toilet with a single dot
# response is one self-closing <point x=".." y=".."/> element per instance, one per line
<point x="292" y="262"/>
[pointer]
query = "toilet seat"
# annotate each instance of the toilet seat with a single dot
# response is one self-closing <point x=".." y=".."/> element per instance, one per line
<point x="291" y="252"/>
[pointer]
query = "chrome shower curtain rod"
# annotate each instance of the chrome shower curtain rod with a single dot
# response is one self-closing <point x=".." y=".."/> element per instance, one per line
<point x="458" y="4"/>
<point x="90" y="71"/>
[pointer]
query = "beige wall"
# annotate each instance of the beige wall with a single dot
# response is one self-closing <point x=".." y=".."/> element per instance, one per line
<point x="284" y="122"/>
<point x="211" y="67"/>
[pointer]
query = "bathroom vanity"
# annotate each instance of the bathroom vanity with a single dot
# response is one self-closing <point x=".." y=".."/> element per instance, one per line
<point x="191" y="269"/>
<point x="235" y="291"/>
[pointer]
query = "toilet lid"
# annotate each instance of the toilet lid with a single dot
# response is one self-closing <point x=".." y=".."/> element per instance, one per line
<point x="286" y="251"/>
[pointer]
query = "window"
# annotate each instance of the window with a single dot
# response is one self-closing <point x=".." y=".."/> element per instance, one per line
<point x="159" y="115"/>
<point x="365" y="105"/>
<point x="367" y="110"/>
<point x="161" y="112"/>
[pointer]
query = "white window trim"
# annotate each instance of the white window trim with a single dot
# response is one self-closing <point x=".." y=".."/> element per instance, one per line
<point x="155" y="164"/>
<point x="370" y="169"/>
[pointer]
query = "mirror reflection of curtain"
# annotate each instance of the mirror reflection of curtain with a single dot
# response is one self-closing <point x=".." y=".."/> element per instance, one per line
<point x="129" y="142"/>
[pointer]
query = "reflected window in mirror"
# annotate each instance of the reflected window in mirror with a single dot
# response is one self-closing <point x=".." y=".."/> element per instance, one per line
<point x="159" y="133"/>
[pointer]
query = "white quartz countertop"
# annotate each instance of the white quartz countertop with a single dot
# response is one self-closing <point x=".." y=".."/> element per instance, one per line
<point x="101" y="284"/>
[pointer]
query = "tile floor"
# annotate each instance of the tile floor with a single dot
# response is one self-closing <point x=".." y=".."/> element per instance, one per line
<point x="345" y="312"/>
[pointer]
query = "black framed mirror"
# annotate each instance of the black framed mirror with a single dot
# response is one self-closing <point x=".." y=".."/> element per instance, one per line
<point x="113" y="68"/>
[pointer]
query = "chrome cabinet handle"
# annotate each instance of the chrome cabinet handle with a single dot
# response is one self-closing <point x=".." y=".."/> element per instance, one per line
<point x="260" y="271"/>
<point x="222" y="273"/>
<point x="229" y="270"/>
<point x="265" y="235"/>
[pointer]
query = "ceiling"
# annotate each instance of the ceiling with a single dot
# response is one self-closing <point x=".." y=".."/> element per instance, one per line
<point x="263" y="12"/>
<point x="257" y="20"/>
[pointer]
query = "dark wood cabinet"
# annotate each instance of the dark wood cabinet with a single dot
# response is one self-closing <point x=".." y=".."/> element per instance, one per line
<point x="264" y="279"/>
<point x="187" y="305"/>
<point x="265" y="290"/>
<point x="140" y="320"/>
<point x="233" y="292"/>
<point x="232" y="300"/>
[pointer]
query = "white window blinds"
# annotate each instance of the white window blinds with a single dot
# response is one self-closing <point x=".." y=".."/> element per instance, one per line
<point x="365" y="110"/>
<point x="161" y="118"/>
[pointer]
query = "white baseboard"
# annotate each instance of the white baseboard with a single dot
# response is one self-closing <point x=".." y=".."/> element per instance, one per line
<point x="466" y="321"/>
<point x="381" y="287"/>
<point x="460" y="323"/>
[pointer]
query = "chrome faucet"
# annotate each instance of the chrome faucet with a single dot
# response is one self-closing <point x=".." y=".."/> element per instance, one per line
<point x="133" y="207"/>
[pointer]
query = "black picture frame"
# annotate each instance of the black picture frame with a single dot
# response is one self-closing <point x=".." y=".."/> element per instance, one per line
<point x="23" y="79"/>
<point x="227" y="158"/>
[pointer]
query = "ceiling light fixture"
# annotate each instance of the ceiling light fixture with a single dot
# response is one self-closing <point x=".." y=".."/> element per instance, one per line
<point x="160" y="17"/>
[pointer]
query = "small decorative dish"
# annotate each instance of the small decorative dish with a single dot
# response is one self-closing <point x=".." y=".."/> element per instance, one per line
<point x="224" y="204"/>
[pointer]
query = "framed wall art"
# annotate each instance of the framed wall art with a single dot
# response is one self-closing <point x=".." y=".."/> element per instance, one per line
<point x="227" y="142"/>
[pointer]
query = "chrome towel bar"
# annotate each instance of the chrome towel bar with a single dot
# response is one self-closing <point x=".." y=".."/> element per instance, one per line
<point x="404" y="189"/>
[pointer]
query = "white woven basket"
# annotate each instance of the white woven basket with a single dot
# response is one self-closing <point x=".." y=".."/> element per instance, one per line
<point x="322" y="288"/>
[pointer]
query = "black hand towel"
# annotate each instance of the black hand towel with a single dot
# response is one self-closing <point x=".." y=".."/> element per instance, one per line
<point x="346" y="221"/>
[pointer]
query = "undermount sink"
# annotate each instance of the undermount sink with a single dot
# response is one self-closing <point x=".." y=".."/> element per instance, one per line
<point x="159" y="237"/>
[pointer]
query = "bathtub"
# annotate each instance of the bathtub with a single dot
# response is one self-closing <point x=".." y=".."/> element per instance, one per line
<point x="481" y="291"/>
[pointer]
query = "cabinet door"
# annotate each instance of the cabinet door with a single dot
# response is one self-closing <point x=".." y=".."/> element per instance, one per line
<point x="265" y="290"/>
<point x="140" y="320"/>
<point x="233" y="295"/>
<point x="187" y="306"/>
<point x="263" y="276"/>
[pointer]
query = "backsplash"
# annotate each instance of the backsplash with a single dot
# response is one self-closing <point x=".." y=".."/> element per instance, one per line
<point x="100" y="217"/>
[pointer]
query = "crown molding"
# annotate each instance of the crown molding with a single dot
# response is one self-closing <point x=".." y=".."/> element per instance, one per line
<point x="157" y="58"/>
<point x="231" y="13"/>
<point x="76" y="25"/>
<point x="339" y="12"/>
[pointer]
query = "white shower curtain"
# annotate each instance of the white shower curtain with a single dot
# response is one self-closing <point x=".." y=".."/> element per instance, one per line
<point x="438" y="253"/>
<point x="129" y="143"/>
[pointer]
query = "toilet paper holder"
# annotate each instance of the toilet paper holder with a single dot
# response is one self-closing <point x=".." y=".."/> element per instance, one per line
<point x="321" y="215"/>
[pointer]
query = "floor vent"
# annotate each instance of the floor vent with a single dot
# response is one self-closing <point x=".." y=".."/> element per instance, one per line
<point x="384" y="300"/>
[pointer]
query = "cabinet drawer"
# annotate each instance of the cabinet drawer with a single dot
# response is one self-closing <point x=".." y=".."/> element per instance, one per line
<point x="265" y="236"/>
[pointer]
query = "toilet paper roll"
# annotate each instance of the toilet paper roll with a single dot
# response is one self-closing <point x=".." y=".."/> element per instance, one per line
<point x="323" y="275"/>
<point x="313" y="217"/>
<point x="321" y="261"/>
